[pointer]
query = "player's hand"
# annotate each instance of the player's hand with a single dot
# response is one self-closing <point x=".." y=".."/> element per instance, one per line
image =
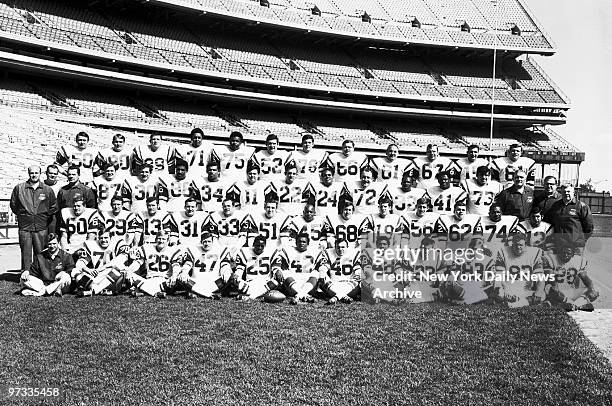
<point x="25" y="276"/>
<point x="63" y="277"/>
<point x="592" y="295"/>
<point x="182" y="277"/>
<point x="537" y="298"/>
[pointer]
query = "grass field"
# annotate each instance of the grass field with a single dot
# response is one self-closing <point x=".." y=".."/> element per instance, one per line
<point x="175" y="351"/>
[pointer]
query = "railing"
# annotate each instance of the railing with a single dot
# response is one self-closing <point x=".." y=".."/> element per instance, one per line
<point x="600" y="203"/>
<point x="7" y="219"/>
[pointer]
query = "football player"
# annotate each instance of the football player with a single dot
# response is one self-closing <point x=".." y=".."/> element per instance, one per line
<point x="505" y="167"/>
<point x="428" y="263"/>
<point x="308" y="223"/>
<point x="175" y="189"/>
<point x="422" y="222"/>
<point x="538" y="232"/>
<point x="308" y="160"/>
<point x="233" y="157"/>
<point x="444" y="196"/>
<point x="365" y="193"/>
<point x="430" y="166"/>
<point x="348" y="163"/>
<point x="253" y="269"/>
<point x="521" y="262"/>
<point x="390" y="169"/>
<point x="186" y="226"/>
<point x="458" y="228"/>
<point x="77" y="224"/>
<point x="227" y="225"/>
<point x="340" y="272"/>
<point x="481" y="191"/>
<point x="294" y="269"/>
<point x="116" y="156"/>
<point x="117" y="221"/>
<point x="159" y="156"/>
<point x="137" y="190"/>
<point x="249" y="193"/>
<point x="211" y="192"/>
<point x="497" y="227"/>
<point x="291" y="191"/>
<point x="81" y="155"/>
<point x="145" y="226"/>
<point x="470" y="164"/>
<point x="326" y="194"/>
<point x="268" y="222"/>
<point x="196" y="154"/>
<point x="405" y="196"/>
<point x="107" y="186"/>
<point x="386" y="224"/>
<point x="271" y="160"/>
<point x="354" y="228"/>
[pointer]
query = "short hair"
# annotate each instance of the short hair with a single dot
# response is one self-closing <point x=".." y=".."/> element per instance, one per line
<point x="427" y="241"/>
<point x="307" y="137"/>
<point x="326" y="168"/>
<point x="190" y="200"/>
<point x="460" y="203"/>
<point x="567" y="185"/>
<point x="272" y="137"/>
<point x="303" y="235"/>
<point x="409" y="174"/>
<point x="271" y="197"/>
<point x="443" y="173"/>
<point x="236" y="134"/>
<point x="431" y="146"/>
<point x="181" y="162"/>
<point x="78" y="198"/>
<point x="152" y="199"/>
<point x="52" y="166"/>
<point x="483" y="170"/>
<point x="340" y="240"/>
<point x="155" y="135"/>
<point x="146" y="165"/>
<point x="205" y="235"/>
<point x="83" y="134"/>
<point x="546" y="178"/>
<point x="252" y="166"/>
<point x="290" y="165"/>
<point x="213" y="163"/>
<point x="423" y="200"/>
<point x="517" y="236"/>
<point x="116" y="197"/>
<point x="74" y="168"/>
<point x="366" y="169"/>
<point x="51" y="237"/>
<point x="348" y="142"/>
<point x="495" y="204"/>
<point x="392" y="145"/>
<point x="259" y="239"/>
<point x="473" y="146"/>
<point x="196" y="131"/>
<point x="515" y="145"/>
<point x="228" y="199"/>
<point x="119" y="137"/>
<point x="385" y="200"/>
<point x="520" y="171"/>
<point x="535" y="210"/>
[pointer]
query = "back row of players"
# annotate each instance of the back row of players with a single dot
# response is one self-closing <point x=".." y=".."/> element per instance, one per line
<point x="186" y="200"/>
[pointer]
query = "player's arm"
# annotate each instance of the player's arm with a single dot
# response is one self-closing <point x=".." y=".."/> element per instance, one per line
<point x="170" y="223"/>
<point x="61" y="158"/>
<point x="126" y="195"/>
<point x="136" y="229"/>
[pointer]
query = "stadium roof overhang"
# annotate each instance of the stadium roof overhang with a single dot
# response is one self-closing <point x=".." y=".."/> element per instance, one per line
<point x="52" y="68"/>
<point x="256" y="90"/>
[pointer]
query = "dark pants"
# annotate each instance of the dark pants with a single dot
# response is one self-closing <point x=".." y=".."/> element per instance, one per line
<point x="29" y="240"/>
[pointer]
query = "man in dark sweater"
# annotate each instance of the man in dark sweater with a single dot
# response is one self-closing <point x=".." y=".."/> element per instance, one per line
<point x="516" y="200"/>
<point x="571" y="219"/>
<point x="34" y="204"/>
<point x="545" y="199"/>
<point x="50" y="272"/>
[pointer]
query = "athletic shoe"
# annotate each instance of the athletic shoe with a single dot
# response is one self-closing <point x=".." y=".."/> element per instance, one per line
<point x="84" y="293"/>
<point x="308" y="299"/>
<point x="161" y="295"/>
<point x="332" y="301"/>
<point x="346" y="300"/>
<point x="293" y="301"/>
<point x="587" y="307"/>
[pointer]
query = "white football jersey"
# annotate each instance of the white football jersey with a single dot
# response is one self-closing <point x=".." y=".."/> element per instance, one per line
<point x="315" y="228"/>
<point x="366" y="199"/>
<point x="347" y="168"/>
<point x="97" y="257"/>
<point x="258" y="224"/>
<point x="255" y="266"/>
<point x="272" y="165"/>
<point x="206" y="261"/>
<point x="229" y="231"/>
<point x="480" y="197"/>
<point x="391" y="226"/>
<point x="326" y="198"/>
<point x="251" y="197"/>
<point x="135" y="192"/>
<point x="427" y="170"/>
<point x="174" y="192"/>
<point x="147" y="226"/>
<point x="185" y="228"/>
<point x="467" y="169"/>
<point x="420" y="227"/>
<point x="530" y="262"/>
<point x="76" y="228"/>
<point x="105" y="190"/>
<point x="296" y="264"/>
<point x="83" y="158"/>
<point x="210" y="194"/>
<point x="443" y="200"/>
<point x="308" y="164"/>
<point x="498" y="232"/>
<point x="117" y="225"/>
<point x="458" y="233"/>
<point x="292" y="197"/>
<point x="536" y="236"/>
<point x="233" y="163"/>
<point x="354" y="230"/>
<point x="196" y="157"/>
<point x="405" y="201"/>
<point x="345" y="268"/>
<point x="120" y="159"/>
<point x="506" y="168"/>
<point x="390" y="172"/>
<point x="160" y="263"/>
<point x="162" y="159"/>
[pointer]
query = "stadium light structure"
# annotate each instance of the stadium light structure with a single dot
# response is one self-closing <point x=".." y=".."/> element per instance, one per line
<point x="496" y="23"/>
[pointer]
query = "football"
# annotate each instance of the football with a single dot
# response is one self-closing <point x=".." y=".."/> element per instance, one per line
<point x="274" y="296"/>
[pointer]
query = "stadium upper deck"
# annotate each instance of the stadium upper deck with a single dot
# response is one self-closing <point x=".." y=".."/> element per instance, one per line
<point x="478" y="24"/>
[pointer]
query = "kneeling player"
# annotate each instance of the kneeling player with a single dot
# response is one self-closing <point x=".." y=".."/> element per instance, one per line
<point x="294" y="269"/>
<point x="340" y="272"/>
<point x="100" y="265"/>
<point x="572" y="288"/>
<point x="253" y="278"/>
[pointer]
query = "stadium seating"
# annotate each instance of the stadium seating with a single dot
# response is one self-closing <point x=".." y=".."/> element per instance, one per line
<point x="321" y="66"/>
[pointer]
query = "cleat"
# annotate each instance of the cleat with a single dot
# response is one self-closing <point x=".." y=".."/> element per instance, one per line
<point x="587" y="307"/>
<point x="568" y="307"/>
<point x="136" y="293"/>
<point x="190" y="296"/>
<point x="545" y="303"/>
<point x="308" y="299"/>
<point x="57" y="293"/>
<point x="332" y="301"/>
<point x="243" y="298"/>
<point x="346" y="300"/>
<point x="107" y="292"/>
<point x="161" y="295"/>
<point x="84" y="293"/>
<point x="216" y="296"/>
<point x="293" y="301"/>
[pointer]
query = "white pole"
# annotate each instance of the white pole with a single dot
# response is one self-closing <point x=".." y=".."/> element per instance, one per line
<point x="496" y="19"/>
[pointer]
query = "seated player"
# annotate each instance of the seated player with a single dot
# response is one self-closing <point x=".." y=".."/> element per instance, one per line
<point x="211" y="192"/>
<point x="107" y="186"/>
<point x="520" y="262"/>
<point x="481" y="191"/>
<point x="354" y="228"/>
<point x="175" y="189"/>
<point x="294" y="270"/>
<point x="430" y="261"/>
<point x="232" y="157"/>
<point x="253" y="269"/>
<point x="572" y="288"/>
<point x="405" y="196"/>
<point x="77" y="224"/>
<point x="390" y="168"/>
<point x="227" y="225"/>
<point x="155" y="267"/>
<point x="117" y="220"/>
<point x="340" y="272"/>
<point x="309" y="223"/>
<point x="137" y="190"/>
<point x="50" y="272"/>
<point x="538" y="232"/>
<point x="205" y="271"/>
<point x="100" y="265"/>
<point x="308" y="159"/>
<point x="271" y="160"/>
<point x="348" y="163"/>
<point x="291" y="191"/>
<point x="186" y="226"/>
<point x="159" y="156"/>
<point x="326" y="194"/>
<point x="145" y="226"/>
<point x="422" y="222"/>
<point x="365" y="193"/>
<point x="444" y="196"/>
<point x="497" y="227"/>
<point x="250" y="193"/>
<point x="196" y="154"/>
<point x="116" y="156"/>
<point x="429" y="167"/>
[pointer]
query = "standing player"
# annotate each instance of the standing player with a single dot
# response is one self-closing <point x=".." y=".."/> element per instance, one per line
<point x="444" y="196"/>
<point x="505" y="167"/>
<point x="430" y="166"/>
<point x="107" y="186"/>
<point x="481" y="191"/>
<point x="175" y="189"/>
<point x="405" y="196"/>
<point x="366" y="193"/>
<point x="160" y="157"/>
<point x="211" y="192"/>
<point x="186" y="226"/>
<point x="390" y="169"/>
<point x="348" y="163"/>
<point x="80" y="155"/>
<point x="233" y="157"/>
<point x="538" y="232"/>
<point x="291" y="191"/>
<point x="340" y="272"/>
<point x="145" y="226"/>
<point x="308" y="160"/>
<point x="470" y="164"/>
<point x="520" y="261"/>
<point x="326" y="194"/>
<point x="196" y="154"/>
<point x="295" y="271"/>
<point x="271" y="160"/>
<point x="77" y="224"/>
<point x="116" y="156"/>
<point x="137" y="190"/>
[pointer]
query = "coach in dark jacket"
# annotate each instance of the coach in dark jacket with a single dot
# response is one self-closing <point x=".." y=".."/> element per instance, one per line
<point x="34" y="204"/>
<point x="516" y="200"/>
<point x="545" y="199"/>
<point x="66" y="194"/>
<point x="571" y="219"/>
